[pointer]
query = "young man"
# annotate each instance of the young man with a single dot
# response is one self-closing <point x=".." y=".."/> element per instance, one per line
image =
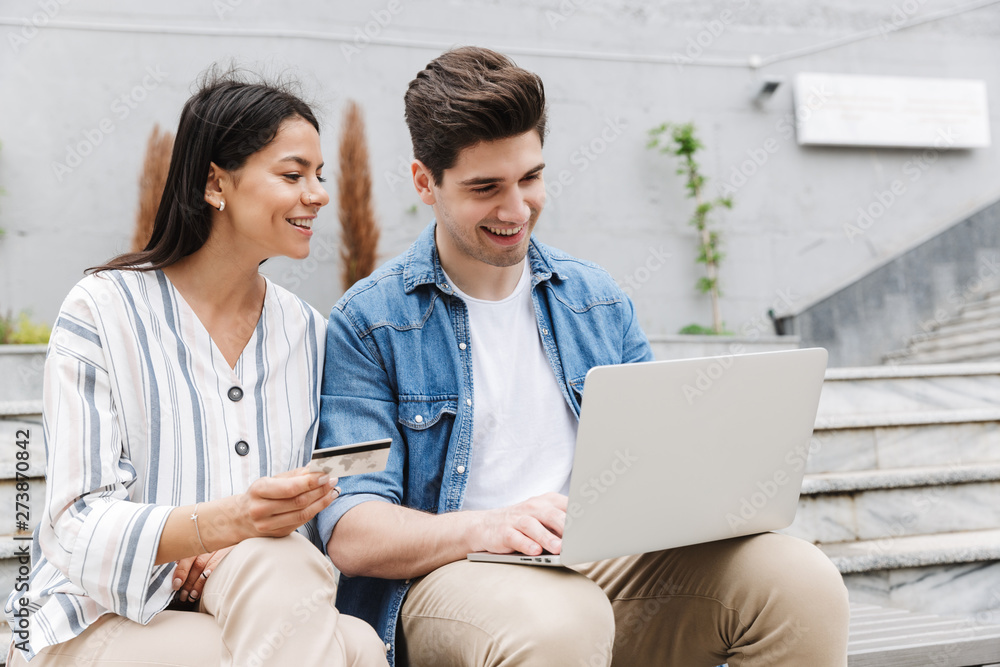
<point x="470" y="350"/>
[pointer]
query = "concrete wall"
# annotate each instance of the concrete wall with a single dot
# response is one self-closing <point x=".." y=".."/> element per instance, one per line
<point x="97" y="76"/>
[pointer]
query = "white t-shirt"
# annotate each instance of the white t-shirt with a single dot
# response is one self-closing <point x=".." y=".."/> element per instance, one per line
<point x="524" y="431"/>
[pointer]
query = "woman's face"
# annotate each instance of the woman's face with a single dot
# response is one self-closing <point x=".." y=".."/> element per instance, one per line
<point x="274" y="197"/>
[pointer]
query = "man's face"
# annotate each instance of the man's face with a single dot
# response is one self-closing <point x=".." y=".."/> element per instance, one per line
<point x="487" y="204"/>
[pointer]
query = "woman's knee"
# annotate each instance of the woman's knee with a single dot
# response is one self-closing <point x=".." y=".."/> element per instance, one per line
<point x="285" y="565"/>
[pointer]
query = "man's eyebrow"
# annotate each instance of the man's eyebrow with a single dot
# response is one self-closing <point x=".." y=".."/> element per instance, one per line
<point x="487" y="180"/>
<point x="300" y="160"/>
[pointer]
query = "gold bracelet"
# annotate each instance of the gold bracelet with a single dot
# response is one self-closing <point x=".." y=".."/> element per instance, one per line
<point x="194" y="517"/>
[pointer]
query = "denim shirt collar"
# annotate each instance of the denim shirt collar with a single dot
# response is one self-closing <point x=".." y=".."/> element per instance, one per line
<point x="423" y="266"/>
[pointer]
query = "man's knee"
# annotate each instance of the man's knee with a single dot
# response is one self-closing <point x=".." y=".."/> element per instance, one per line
<point x="541" y="616"/>
<point x="801" y="576"/>
<point x="572" y="618"/>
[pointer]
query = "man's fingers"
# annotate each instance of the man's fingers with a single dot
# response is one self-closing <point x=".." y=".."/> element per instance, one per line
<point x="539" y="536"/>
<point x="558" y="500"/>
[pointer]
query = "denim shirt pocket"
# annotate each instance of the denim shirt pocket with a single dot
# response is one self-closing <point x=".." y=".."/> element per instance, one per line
<point x="426" y="423"/>
<point x="423" y="413"/>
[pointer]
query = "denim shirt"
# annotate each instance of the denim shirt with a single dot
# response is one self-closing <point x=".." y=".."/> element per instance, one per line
<point x="399" y="365"/>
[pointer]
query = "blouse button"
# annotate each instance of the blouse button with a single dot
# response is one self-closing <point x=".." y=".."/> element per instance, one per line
<point x="462" y="346"/>
<point x="460" y="469"/>
<point x="418" y="419"/>
<point x="235" y="394"/>
<point x="242" y="448"/>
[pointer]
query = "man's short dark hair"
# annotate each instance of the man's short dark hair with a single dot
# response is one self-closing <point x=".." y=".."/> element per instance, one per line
<point x="466" y="96"/>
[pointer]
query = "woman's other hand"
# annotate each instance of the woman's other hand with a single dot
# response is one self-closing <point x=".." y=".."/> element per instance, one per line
<point x="191" y="574"/>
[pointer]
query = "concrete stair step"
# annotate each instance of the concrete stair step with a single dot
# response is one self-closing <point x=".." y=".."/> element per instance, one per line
<point x="879" y="504"/>
<point x="22" y="367"/>
<point x="955" y="340"/>
<point x="21" y="408"/>
<point x="915" y="551"/>
<point x="980" y="352"/>
<point x="984" y="351"/>
<point x="902" y="440"/>
<point x="979" y="309"/>
<point x="909" y="388"/>
<point x="956" y="327"/>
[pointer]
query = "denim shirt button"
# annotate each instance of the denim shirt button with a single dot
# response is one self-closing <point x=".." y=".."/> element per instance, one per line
<point x="444" y="286"/>
<point x="419" y="419"/>
<point x="460" y="469"/>
<point x="545" y="332"/>
<point x="468" y="401"/>
<point x="462" y="346"/>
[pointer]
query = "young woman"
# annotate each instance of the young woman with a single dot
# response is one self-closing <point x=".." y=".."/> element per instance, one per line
<point x="181" y="400"/>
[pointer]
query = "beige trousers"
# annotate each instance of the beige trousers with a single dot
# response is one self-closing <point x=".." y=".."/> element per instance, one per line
<point x="762" y="601"/>
<point x="269" y="602"/>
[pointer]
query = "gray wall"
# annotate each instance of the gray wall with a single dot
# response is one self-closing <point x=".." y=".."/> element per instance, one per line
<point x="613" y="69"/>
<point x="911" y="294"/>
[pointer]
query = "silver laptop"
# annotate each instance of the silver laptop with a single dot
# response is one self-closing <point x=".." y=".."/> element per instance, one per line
<point x="672" y="453"/>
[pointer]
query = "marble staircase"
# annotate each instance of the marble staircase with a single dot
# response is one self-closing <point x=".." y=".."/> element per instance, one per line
<point x="902" y="489"/>
<point x="972" y="334"/>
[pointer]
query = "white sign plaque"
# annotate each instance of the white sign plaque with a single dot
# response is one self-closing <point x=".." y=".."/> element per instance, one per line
<point x="849" y="110"/>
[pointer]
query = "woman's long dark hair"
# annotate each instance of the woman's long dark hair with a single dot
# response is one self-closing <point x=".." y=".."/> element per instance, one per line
<point x="229" y="119"/>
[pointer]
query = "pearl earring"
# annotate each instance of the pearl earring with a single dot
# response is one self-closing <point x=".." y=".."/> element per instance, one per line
<point x="222" y="205"/>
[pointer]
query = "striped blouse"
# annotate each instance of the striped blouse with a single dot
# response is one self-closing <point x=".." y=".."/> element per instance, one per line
<point x="141" y="414"/>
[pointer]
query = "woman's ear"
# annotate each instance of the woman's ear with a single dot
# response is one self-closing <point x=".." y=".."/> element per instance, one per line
<point x="213" y="187"/>
<point x="423" y="181"/>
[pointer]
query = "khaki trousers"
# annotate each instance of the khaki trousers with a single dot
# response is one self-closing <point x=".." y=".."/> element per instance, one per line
<point x="763" y="601"/>
<point x="269" y="602"/>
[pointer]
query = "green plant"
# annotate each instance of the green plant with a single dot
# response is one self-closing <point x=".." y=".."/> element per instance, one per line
<point x="21" y="330"/>
<point x="680" y="140"/>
